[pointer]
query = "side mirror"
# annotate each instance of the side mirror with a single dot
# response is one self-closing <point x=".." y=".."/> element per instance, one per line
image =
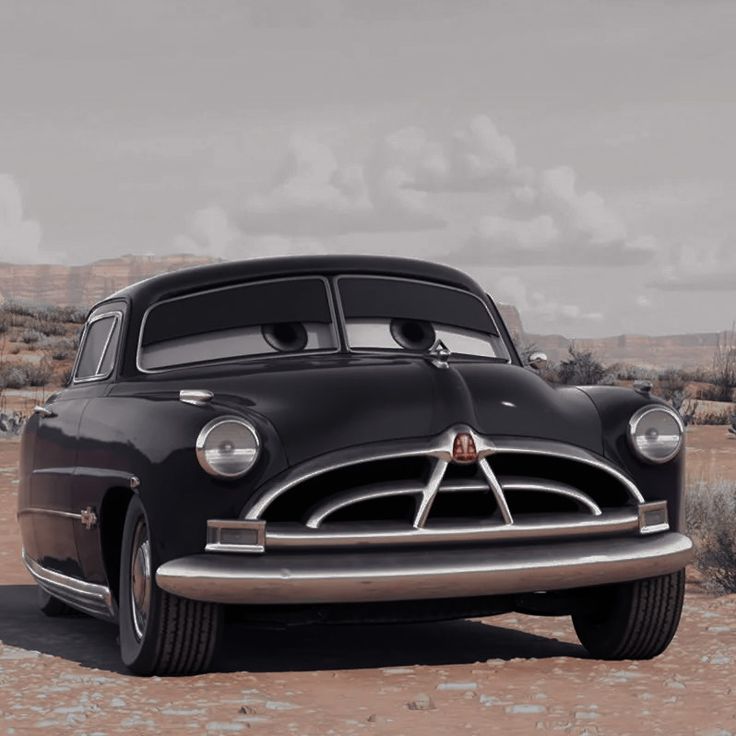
<point x="538" y="360"/>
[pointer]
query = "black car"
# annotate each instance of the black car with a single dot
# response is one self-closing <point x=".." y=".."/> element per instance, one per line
<point x="339" y="439"/>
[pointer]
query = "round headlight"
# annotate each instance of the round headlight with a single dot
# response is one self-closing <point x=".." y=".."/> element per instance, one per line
<point x="228" y="447"/>
<point x="655" y="433"/>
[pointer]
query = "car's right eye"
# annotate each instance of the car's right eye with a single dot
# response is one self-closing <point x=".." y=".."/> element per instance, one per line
<point x="413" y="334"/>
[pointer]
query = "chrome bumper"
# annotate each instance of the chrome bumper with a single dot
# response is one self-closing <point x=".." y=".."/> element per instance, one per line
<point x="414" y="575"/>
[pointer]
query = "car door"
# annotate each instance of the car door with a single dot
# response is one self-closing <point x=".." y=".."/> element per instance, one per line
<point x="55" y="515"/>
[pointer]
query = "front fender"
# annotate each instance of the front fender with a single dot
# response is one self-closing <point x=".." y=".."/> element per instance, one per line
<point x="616" y="405"/>
<point x="153" y="438"/>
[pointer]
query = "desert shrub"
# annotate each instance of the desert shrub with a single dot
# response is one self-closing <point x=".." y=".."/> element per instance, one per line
<point x="39" y="374"/>
<point x="712" y="417"/>
<point x="13" y="376"/>
<point x="710" y="392"/>
<point x="30" y="337"/>
<point x="580" y="368"/>
<point x="711" y="521"/>
<point x="672" y="387"/>
<point x="4" y="325"/>
<point x="51" y="328"/>
<point x="21" y="312"/>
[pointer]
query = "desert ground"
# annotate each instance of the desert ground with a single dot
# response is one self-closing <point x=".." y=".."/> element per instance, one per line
<point x="504" y="675"/>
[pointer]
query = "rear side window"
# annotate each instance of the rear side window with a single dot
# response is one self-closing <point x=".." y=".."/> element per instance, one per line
<point x="97" y="352"/>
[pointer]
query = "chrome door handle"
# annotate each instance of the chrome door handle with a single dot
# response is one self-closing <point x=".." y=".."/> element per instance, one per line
<point x="43" y="411"/>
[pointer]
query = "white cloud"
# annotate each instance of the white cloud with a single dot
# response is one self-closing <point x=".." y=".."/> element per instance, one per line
<point x="19" y="238"/>
<point x="476" y="158"/>
<point x="643" y="301"/>
<point x="540" y="217"/>
<point x="537" y="307"/>
<point x="549" y="221"/>
<point x="708" y="267"/>
<point x="317" y="196"/>
<point x="211" y="232"/>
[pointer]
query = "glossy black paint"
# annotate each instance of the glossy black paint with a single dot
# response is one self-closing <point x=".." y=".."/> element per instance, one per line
<point x="130" y="433"/>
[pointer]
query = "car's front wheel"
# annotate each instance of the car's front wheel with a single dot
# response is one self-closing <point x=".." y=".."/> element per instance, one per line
<point x="635" y="620"/>
<point x="160" y="633"/>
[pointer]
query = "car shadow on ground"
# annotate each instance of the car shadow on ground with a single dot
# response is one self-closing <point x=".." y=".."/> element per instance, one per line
<point x="93" y="643"/>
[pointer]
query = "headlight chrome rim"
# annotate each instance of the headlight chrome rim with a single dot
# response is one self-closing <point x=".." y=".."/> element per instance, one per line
<point x="201" y="449"/>
<point x="634" y="425"/>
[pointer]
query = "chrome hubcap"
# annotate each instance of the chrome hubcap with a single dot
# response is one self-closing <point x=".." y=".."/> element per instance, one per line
<point x="140" y="580"/>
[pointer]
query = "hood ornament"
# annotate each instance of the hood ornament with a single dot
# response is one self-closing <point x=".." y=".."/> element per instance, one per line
<point x="440" y="354"/>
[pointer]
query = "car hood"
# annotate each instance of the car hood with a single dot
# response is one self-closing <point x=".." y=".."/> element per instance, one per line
<point x="325" y="404"/>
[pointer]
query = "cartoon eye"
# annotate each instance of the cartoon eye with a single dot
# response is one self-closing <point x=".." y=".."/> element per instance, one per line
<point x="413" y="334"/>
<point x="286" y="337"/>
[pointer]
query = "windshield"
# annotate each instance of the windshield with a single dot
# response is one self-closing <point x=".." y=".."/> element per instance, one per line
<point x="401" y="314"/>
<point x="269" y="318"/>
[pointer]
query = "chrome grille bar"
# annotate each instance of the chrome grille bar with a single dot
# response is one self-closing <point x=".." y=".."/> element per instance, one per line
<point x="509" y="483"/>
<point x="503" y="507"/>
<point x="429" y="493"/>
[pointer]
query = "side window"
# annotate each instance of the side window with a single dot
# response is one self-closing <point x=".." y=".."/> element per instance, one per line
<point x="97" y="352"/>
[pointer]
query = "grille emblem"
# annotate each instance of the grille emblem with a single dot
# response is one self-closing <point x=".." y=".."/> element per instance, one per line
<point x="463" y="448"/>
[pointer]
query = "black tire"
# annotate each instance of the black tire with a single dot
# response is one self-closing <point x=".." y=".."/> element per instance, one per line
<point x="51" y="606"/>
<point x="634" y="620"/>
<point x="178" y="636"/>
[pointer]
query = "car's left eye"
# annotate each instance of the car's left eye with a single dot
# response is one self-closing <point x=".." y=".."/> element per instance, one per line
<point x="228" y="447"/>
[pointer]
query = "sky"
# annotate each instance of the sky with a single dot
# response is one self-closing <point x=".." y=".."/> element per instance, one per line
<point x="576" y="157"/>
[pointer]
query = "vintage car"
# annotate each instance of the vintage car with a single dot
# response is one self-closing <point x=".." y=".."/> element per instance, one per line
<point x="342" y="438"/>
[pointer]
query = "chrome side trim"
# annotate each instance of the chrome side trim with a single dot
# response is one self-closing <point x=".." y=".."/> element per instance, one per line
<point x="49" y="512"/>
<point x="438" y="447"/>
<point x="291" y="535"/>
<point x="88" y="597"/>
<point x="509" y="483"/>
<point x="195" y="397"/>
<point x="414" y="575"/>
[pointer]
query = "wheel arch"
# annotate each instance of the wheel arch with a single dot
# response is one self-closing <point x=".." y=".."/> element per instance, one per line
<point x="112" y="521"/>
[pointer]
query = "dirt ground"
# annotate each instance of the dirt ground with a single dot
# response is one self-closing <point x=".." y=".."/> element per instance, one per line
<point x="510" y="674"/>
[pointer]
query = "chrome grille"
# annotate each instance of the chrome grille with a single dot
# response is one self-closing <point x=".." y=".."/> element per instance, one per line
<point x="413" y="491"/>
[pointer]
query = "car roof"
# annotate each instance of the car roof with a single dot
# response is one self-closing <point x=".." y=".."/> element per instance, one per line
<point x="195" y="278"/>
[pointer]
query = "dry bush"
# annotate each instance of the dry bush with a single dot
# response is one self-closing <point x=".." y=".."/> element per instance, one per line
<point x="711" y="521"/>
<point x="39" y="374"/>
<point x="712" y="417"/>
<point x="51" y="328"/>
<point x="13" y="376"/>
<point x="30" y="337"/>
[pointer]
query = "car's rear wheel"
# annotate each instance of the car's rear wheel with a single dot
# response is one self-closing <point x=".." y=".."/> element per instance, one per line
<point x="635" y="620"/>
<point x="51" y="606"/>
<point x="159" y="633"/>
